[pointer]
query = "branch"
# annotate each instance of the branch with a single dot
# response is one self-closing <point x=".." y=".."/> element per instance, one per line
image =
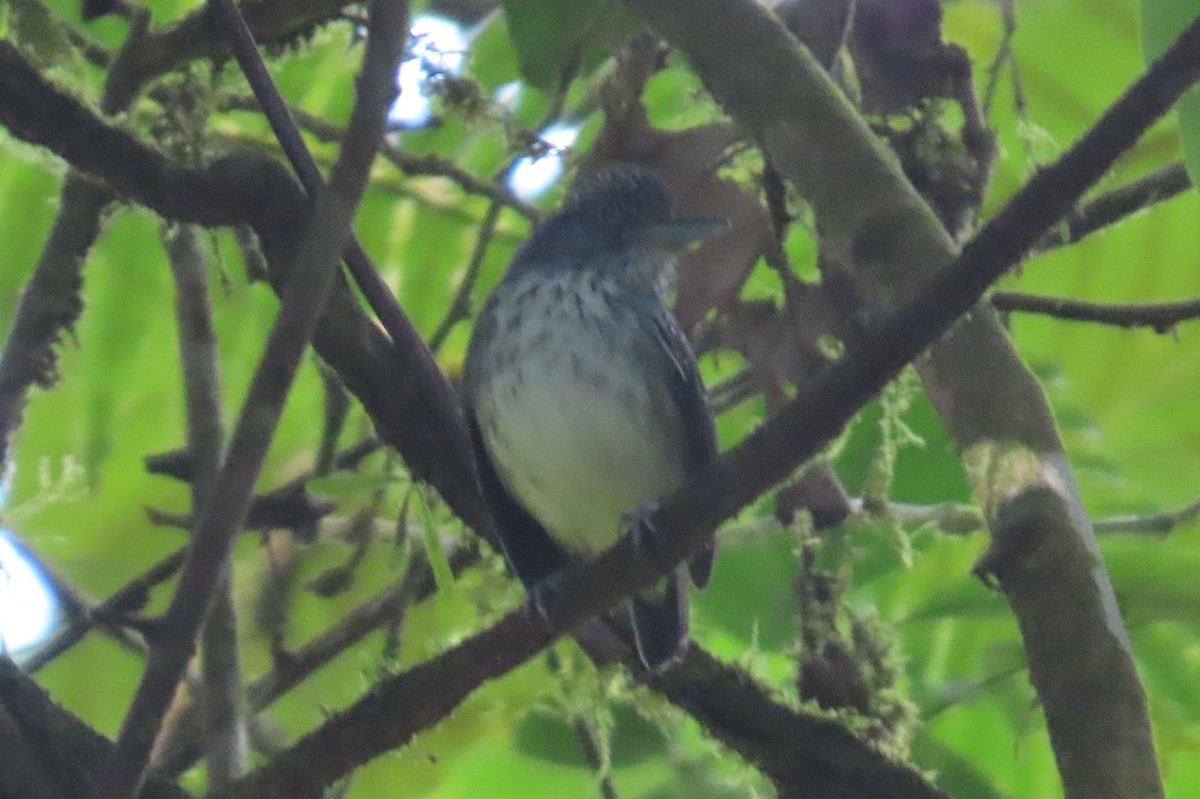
<point x="134" y="595"/>
<point x="409" y="406"/>
<point x="804" y="754"/>
<point x="308" y="285"/>
<point x="127" y="599"/>
<point x="197" y="36"/>
<point x="1157" y="524"/>
<point x="221" y="672"/>
<point x="49" y="305"/>
<point x="409" y="702"/>
<point x="410" y="353"/>
<point x="413" y="165"/>
<point x="1117" y="205"/>
<point x="460" y="306"/>
<point x="1043" y="552"/>
<point x="716" y="493"/>
<point x="403" y="705"/>
<point x="294" y="666"/>
<point x="57" y="744"/>
<point x="1162" y="317"/>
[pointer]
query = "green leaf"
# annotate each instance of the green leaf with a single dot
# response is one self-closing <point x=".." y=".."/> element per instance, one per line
<point x="553" y="38"/>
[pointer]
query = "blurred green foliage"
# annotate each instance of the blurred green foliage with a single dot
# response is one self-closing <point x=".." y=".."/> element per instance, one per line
<point x="1127" y="403"/>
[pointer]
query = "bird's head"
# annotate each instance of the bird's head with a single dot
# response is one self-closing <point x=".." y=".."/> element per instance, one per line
<point x="621" y="208"/>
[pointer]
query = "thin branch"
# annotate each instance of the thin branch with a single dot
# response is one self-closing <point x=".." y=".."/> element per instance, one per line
<point x="1004" y="54"/>
<point x="197" y="36"/>
<point x="836" y="397"/>
<point x="1155" y="524"/>
<point x="593" y="752"/>
<point x="733" y="391"/>
<point x="51" y="304"/>
<point x="411" y="404"/>
<point x="224" y="706"/>
<point x="408" y="163"/>
<point x="134" y="595"/>
<point x="48" y="306"/>
<point x="460" y="306"/>
<point x="308" y="285"/>
<point x="293" y="667"/>
<point x="1162" y="317"/>
<point x="411" y="354"/>
<point x="128" y="599"/>
<point x="1117" y="205"/>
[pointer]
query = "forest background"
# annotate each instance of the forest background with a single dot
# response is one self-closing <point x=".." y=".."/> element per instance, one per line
<point x="866" y="599"/>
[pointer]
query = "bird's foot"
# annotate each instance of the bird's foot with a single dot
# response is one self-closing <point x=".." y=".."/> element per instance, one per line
<point x="542" y="595"/>
<point x="646" y="537"/>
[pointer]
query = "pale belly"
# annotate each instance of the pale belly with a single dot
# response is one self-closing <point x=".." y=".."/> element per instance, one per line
<point x="576" y="447"/>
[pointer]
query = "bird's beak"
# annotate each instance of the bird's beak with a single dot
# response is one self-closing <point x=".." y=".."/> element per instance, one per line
<point x="679" y="234"/>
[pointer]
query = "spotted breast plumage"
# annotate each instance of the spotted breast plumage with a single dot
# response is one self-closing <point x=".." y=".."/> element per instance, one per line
<point x="584" y="400"/>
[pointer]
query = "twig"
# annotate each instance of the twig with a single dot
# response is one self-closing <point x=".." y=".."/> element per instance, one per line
<point x="410" y="402"/>
<point x="135" y="593"/>
<point x="308" y="285"/>
<point x="1156" y="524"/>
<point x="293" y="667"/>
<point x="411" y="352"/>
<point x="590" y="743"/>
<point x="1114" y="206"/>
<point x="1004" y="53"/>
<point x="733" y="391"/>
<point x="50" y="303"/>
<point x="460" y="306"/>
<point x="408" y="163"/>
<point x="127" y="599"/>
<point x="1162" y="317"/>
<point x="224" y="706"/>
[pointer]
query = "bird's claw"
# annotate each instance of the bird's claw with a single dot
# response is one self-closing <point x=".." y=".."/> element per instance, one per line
<point x="541" y="596"/>
<point x="646" y="537"/>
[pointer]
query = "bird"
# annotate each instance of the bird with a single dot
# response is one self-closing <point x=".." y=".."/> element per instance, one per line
<point x="583" y="398"/>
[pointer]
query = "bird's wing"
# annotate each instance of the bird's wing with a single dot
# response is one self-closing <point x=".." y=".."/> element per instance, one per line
<point x="659" y="623"/>
<point x="530" y="550"/>
<point x="700" y="434"/>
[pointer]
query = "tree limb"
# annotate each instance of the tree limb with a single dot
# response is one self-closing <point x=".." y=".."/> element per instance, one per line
<point x="307" y="288"/>
<point x="401" y="706"/>
<point x="1162" y="317"/>
<point x="992" y="405"/>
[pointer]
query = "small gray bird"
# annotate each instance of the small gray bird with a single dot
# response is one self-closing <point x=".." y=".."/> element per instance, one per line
<point x="583" y="398"/>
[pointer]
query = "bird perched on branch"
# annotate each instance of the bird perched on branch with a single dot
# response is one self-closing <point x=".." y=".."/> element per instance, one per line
<point x="583" y="398"/>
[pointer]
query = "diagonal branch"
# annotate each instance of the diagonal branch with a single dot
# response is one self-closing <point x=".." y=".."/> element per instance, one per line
<point x="49" y="305"/>
<point x="224" y="705"/>
<point x="764" y="459"/>
<point x="1162" y="317"/>
<point x="1156" y="524"/>
<point x="307" y="287"/>
<point x="1044" y="555"/>
<point x="408" y="163"/>
<point x="408" y="406"/>
<point x="403" y="705"/>
<point x="1119" y="204"/>
<point x="409" y="351"/>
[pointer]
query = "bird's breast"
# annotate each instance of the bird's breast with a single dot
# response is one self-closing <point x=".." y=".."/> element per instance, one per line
<point x="575" y="410"/>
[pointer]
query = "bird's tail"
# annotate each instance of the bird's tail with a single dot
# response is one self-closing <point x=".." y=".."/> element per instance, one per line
<point x="660" y="621"/>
